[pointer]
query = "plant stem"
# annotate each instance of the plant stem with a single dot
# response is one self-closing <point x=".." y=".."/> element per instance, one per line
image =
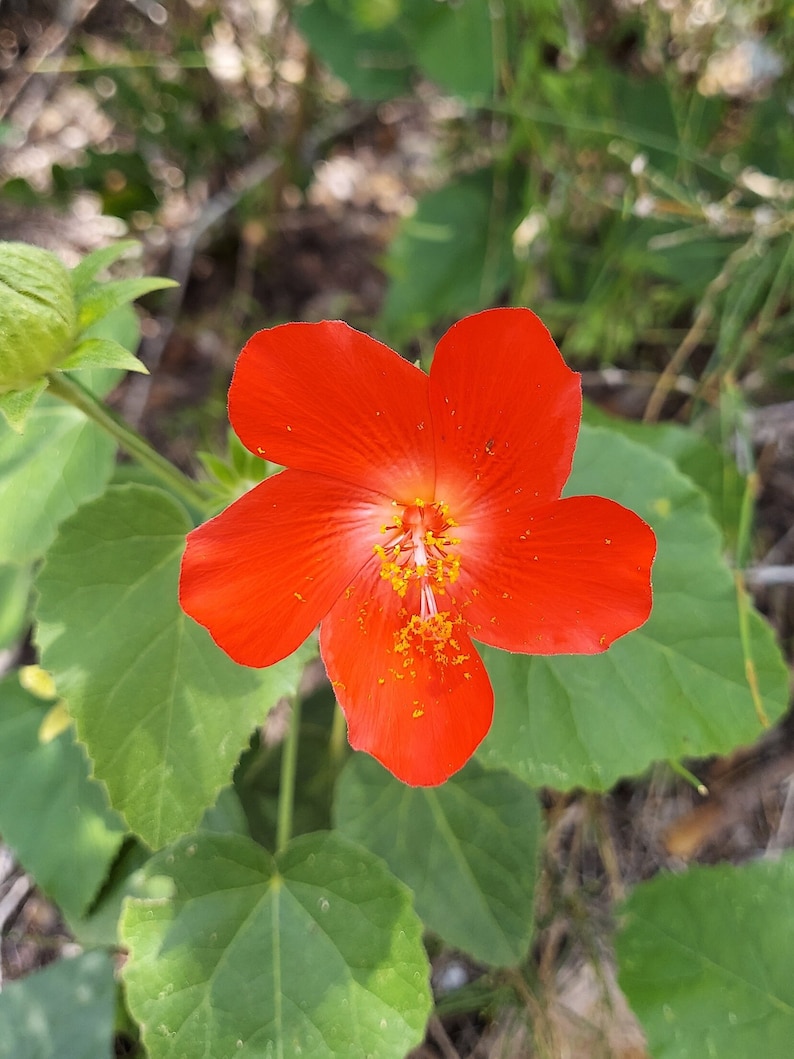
<point x="76" y="394"/>
<point x="337" y="744"/>
<point x="691" y="779"/>
<point x="286" y="789"/>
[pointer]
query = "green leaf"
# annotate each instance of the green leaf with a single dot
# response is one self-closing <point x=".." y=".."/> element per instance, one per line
<point x="99" y="926"/>
<point x="60" y="461"/>
<point x="68" y="1009"/>
<point x="375" y="64"/>
<point x="452" y="257"/>
<point x="99" y="299"/>
<point x="92" y="264"/>
<point x="712" y="471"/>
<point x="102" y="353"/>
<point x="374" y="14"/>
<point x="675" y="688"/>
<point x="468" y="850"/>
<point x="16" y="583"/>
<point x="226" y="816"/>
<point x="16" y="405"/>
<point x="317" y="952"/>
<point x="122" y="326"/>
<point x="52" y="815"/>
<point x="237" y="473"/>
<point x="450" y="32"/>
<point x="705" y="962"/>
<point x="219" y="469"/>
<point x="163" y="711"/>
<point x="248" y="468"/>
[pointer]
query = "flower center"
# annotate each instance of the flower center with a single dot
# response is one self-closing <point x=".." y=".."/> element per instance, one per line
<point x="418" y="550"/>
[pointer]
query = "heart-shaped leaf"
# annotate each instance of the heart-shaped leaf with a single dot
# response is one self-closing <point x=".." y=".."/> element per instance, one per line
<point x="677" y="687"/>
<point x="712" y="470"/>
<point x="316" y="952"/>
<point x="468" y="850"/>
<point x="163" y="712"/>
<point x="704" y="963"/>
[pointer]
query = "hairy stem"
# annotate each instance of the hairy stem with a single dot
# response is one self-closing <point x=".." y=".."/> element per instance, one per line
<point x="286" y="790"/>
<point x="337" y="744"/>
<point x="76" y="394"/>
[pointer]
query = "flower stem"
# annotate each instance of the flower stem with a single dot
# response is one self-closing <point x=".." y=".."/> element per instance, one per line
<point x="338" y="740"/>
<point x="74" y="393"/>
<point x="286" y="790"/>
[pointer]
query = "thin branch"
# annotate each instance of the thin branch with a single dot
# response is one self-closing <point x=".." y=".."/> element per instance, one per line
<point x="184" y="247"/>
<point x="695" y="334"/>
<point x="767" y="576"/>
<point x="52" y="42"/>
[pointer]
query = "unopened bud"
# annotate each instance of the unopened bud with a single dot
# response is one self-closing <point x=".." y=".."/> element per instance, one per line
<point x="37" y="314"/>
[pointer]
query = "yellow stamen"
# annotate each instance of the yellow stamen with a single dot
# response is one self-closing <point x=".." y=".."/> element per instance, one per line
<point x="418" y="551"/>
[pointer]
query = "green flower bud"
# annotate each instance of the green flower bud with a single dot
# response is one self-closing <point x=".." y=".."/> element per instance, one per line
<point x="37" y="314"/>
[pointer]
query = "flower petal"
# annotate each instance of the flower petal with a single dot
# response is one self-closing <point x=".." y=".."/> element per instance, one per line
<point x="262" y="574"/>
<point x="323" y="397"/>
<point x="506" y="411"/>
<point x="565" y="578"/>
<point x="420" y="706"/>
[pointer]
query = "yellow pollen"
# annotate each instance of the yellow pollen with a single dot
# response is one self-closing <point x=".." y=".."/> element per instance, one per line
<point x="419" y="551"/>
<point x="430" y="639"/>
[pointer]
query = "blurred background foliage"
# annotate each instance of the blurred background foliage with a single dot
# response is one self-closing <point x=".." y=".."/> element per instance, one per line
<point x="623" y="167"/>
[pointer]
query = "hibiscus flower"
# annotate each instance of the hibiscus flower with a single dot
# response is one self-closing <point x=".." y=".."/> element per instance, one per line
<point x="418" y="513"/>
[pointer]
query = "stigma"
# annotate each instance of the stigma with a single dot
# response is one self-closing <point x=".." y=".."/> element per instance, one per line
<point x="419" y="552"/>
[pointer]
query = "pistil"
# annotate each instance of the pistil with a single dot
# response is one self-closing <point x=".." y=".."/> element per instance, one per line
<point x="417" y="552"/>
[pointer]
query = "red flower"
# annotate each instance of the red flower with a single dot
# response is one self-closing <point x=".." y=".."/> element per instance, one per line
<point x="418" y="512"/>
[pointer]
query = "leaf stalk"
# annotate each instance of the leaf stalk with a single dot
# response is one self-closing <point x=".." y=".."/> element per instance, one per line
<point x="76" y="394"/>
<point x="286" y="790"/>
